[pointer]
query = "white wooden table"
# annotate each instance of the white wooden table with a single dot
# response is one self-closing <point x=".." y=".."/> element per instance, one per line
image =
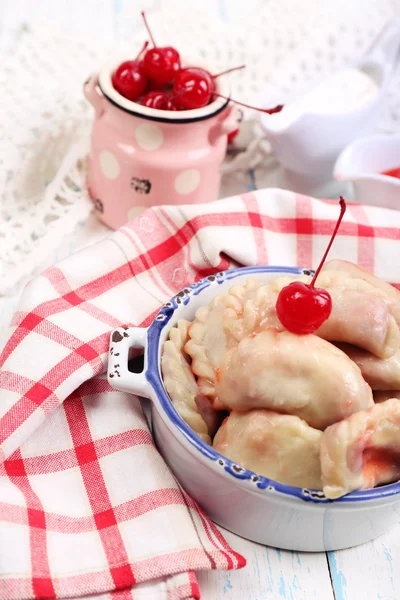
<point x="369" y="572"/>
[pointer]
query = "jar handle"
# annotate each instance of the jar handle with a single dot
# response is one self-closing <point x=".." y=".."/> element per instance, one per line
<point x="229" y="123"/>
<point x="93" y="94"/>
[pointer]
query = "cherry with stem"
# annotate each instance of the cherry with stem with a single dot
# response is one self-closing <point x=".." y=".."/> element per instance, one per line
<point x="145" y="44"/>
<point x="228" y="71"/>
<point x="160" y="65"/>
<point x="143" y="14"/>
<point x="128" y="79"/>
<point x="161" y="100"/>
<point x="194" y="87"/>
<point x="269" y="111"/>
<point x="342" y="203"/>
<point x="212" y="89"/>
<point x="301" y="307"/>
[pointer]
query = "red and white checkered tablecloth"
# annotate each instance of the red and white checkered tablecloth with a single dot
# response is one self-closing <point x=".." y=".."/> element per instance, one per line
<point x="86" y="503"/>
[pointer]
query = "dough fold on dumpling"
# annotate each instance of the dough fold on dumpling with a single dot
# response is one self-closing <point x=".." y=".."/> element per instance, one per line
<point x="226" y="320"/>
<point x="362" y="451"/>
<point x="361" y="312"/>
<point x="379" y="373"/>
<point x="360" y="315"/>
<point x="280" y="447"/>
<point x="182" y="388"/>
<point x="357" y="272"/>
<point x="300" y="375"/>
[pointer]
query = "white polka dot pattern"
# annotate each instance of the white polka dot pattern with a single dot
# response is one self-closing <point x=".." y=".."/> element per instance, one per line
<point x="187" y="181"/>
<point x="109" y="165"/>
<point x="149" y="137"/>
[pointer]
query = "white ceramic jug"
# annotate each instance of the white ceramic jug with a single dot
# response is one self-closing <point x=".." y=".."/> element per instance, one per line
<point x="364" y="162"/>
<point x="311" y="131"/>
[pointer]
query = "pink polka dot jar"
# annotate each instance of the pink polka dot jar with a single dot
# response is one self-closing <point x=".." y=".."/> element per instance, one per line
<point x="141" y="156"/>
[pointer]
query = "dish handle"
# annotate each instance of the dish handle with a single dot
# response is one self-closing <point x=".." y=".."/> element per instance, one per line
<point x="118" y="374"/>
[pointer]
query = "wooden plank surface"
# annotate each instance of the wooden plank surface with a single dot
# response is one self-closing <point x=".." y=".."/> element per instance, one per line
<point x="369" y="572"/>
<point x="270" y="574"/>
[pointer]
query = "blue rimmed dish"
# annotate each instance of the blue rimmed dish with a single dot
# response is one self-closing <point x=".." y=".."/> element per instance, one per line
<point x="248" y="504"/>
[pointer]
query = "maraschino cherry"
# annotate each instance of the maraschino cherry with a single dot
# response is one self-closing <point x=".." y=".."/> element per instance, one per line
<point x="154" y="99"/>
<point x="301" y="307"/>
<point x="160" y="65"/>
<point x="171" y="103"/>
<point x="159" y="99"/>
<point x="194" y="87"/>
<point x="128" y="79"/>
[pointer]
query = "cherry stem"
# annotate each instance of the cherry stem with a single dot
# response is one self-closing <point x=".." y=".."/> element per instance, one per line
<point x="269" y="111"/>
<point x="142" y="50"/>
<point x="148" y="28"/>
<point x="321" y="264"/>
<point x="229" y="71"/>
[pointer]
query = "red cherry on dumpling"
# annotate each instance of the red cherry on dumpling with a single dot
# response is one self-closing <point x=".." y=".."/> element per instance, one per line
<point x="301" y="307"/>
<point x="160" y="65"/>
<point x="129" y="80"/>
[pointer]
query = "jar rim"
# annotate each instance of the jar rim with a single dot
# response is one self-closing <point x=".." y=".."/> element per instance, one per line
<point x="155" y="114"/>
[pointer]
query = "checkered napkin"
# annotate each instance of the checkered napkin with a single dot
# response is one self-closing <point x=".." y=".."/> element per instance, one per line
<point x="86" y="503"/>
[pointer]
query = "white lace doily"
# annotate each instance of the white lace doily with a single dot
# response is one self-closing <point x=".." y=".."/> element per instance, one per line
<point x="284" y="43"/>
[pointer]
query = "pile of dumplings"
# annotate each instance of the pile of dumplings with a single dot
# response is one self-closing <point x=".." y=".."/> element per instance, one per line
<point x="318" y="411"/>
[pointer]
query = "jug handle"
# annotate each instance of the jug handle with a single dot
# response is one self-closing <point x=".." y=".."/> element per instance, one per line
<point x="93" y="94"/>
<point x="386" y="45"/>
<point x="227" y="125"/>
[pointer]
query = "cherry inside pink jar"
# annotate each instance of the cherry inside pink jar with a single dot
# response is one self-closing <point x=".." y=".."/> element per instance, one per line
<point x="161" y="128"/>
<point x="142" y="155"/>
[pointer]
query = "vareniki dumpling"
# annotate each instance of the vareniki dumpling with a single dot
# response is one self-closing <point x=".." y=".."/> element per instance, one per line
<point x="362" y="451"/>
<point x="254" y="439"/>
<point x="320" y="411"/>
<point x="229" y="318"/>
<point x="181" y="385"/>
<point x="360" y="315"/>
<point x="391" y="294"/>
<point x="299" y="375"/>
